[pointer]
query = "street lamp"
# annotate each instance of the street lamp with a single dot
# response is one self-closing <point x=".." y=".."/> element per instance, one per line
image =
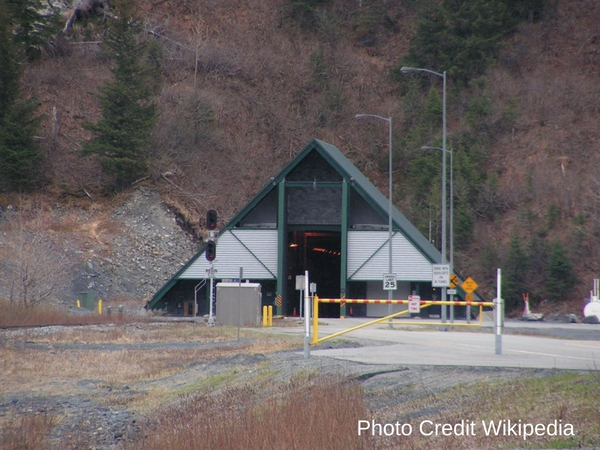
<point x="389" y="121"/>
<point x="451" y="206"/>
<point x="444" y="187"/>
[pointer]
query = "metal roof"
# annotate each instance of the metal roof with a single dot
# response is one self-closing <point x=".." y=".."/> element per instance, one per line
<point x="377" y="199"/>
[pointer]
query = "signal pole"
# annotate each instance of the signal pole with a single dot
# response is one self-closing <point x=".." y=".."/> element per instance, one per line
<point x="211" y="253"/>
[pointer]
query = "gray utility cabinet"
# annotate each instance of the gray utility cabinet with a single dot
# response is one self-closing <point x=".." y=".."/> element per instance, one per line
<point x="238" y="302"/>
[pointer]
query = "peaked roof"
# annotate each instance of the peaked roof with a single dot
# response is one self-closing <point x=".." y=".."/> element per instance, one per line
<point x="352" y="175"/>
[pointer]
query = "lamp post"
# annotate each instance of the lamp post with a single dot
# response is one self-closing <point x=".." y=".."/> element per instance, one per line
<point x="444" y="187"/>
<point x="451" y="206"/>
<point x="389" y="121"/>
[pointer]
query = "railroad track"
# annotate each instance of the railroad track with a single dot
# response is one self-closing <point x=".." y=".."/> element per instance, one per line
<point x="42" y="325"/>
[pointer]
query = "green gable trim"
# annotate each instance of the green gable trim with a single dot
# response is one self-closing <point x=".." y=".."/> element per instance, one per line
<point x="281" y="245"/>
<point x="314" y="184"/>
<point x="156" y="300"/>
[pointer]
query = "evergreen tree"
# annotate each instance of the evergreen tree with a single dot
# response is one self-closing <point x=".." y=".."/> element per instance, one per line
<point x="34" y="22"/>
<point x="514" y="273"/>
<point x="10" y="71"/>
<point x="305" y="11"/>
<point x="128" y="112"/>
<point x="462" y="37"/>
<point x="559" y="274"/>
<point x="20" y="156"/>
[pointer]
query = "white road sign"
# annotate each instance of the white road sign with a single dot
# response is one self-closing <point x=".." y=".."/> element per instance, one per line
<point x="389" y="282"/>
<point x="414" y="304"/>
<point x="440" y="276"/>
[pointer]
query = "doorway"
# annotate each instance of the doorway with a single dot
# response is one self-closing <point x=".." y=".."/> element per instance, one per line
<point x="320" y="253"/>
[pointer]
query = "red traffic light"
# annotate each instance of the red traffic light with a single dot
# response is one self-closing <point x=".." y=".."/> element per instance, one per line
<point x="211" y="219"/>
<point x="211" y="250"/>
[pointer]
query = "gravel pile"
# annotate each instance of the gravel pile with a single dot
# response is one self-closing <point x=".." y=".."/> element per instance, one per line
<point x="128" y="252"/>
<point x="148" y="251"/>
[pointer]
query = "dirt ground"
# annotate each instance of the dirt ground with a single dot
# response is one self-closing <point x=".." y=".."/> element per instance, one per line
<point x="101" y="409"/>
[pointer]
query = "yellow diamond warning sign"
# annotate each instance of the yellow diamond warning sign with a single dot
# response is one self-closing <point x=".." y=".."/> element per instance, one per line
<point x="453" y="281"/>
<point x="469" y="285"/>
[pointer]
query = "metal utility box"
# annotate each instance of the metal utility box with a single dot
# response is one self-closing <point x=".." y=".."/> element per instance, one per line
<point x="87" y="300"/>
<point x="238" y="303"/>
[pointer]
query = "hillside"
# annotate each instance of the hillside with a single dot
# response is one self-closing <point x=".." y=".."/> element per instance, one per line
<point x="247" y="85"/>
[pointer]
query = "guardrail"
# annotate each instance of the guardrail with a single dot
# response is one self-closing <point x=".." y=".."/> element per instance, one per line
<point x="423" y="303"/>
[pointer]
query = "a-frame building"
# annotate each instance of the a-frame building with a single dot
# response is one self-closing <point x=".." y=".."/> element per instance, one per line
<point x="320" y="214"/>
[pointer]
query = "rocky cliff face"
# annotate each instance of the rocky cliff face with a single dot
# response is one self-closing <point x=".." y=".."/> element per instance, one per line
<point x="125" y="252"/>
<point x="151" y="248"/>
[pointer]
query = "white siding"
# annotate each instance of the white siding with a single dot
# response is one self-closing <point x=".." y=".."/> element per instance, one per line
<point x="368" y="257"/>
<point x="254" y="250"/>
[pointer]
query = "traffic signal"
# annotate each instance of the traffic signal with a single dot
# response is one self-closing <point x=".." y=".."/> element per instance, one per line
<point x="211" y="219"/>
<point x="211" y="250"/>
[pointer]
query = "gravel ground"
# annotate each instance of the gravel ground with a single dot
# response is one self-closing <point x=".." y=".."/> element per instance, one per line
<point x="94" y="412"/>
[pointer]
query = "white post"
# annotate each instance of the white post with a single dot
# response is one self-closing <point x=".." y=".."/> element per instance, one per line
<point x="240" y="302"/>
<point x="306" y="315"/>
<point x="444" y="186"/>
<point x="390" y="203"/>
<point x="499" y="312"/>
<point x="444" y="189"/>
<point x="211" y="316"/>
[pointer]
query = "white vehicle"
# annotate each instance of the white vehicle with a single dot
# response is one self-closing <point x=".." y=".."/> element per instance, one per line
<point x="593" y="307"/>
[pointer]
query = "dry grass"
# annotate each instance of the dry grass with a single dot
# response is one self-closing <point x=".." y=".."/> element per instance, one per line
<point x="319" y="413"/>
<point x="24" y="368"/>
<point x="126" y="330"/>
<point x="50" y="362"/>
<point x="26" y="432"/>
<point x="48" y="315"/>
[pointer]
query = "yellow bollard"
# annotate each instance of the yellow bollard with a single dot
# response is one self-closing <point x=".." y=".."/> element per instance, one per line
<point x="100" y="307"/>
<point x="315" y="319"/>
<point x="270" y="315"/>
<point x="264" y="317"/>
<point x="79" y="303"/>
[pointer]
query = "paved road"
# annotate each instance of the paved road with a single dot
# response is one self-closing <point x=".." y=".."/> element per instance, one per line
<point x="406" y="344"/>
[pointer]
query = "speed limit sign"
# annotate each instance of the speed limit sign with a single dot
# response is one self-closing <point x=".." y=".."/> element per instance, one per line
<point x="389" y="282"/>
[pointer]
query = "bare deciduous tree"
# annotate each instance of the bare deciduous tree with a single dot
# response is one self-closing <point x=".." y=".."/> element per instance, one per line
<point x="33" y="266"/>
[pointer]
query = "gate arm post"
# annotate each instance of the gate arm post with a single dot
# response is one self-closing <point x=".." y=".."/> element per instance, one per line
<point x="315" y="338"/>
